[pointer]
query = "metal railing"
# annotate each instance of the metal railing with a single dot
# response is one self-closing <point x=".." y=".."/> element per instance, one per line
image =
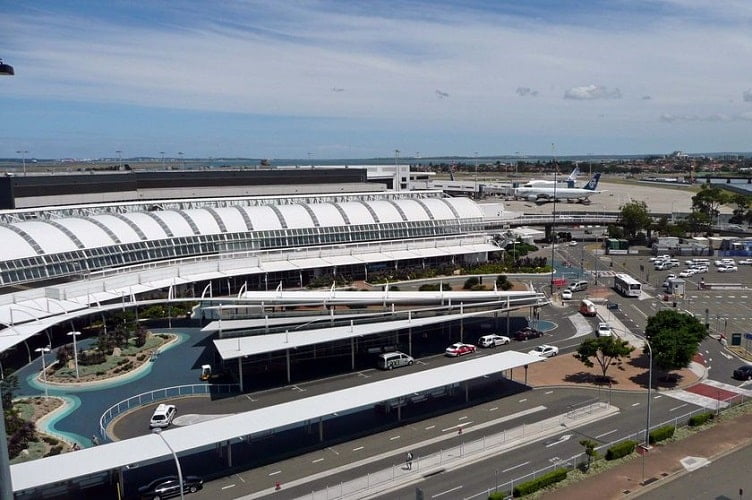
<point x="159" y="395"/>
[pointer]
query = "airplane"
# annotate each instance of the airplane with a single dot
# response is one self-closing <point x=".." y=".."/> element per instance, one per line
<point x="569" y="180"/>
<point x="543" y="194"/>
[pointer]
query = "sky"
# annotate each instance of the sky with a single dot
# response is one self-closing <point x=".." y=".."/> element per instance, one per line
<point x="362" y="79"/>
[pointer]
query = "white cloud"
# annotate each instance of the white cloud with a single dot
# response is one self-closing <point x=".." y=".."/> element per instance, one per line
<point x="589" y="92"/>
<point x="289" y="60"/>
<point x="526" y="91"/>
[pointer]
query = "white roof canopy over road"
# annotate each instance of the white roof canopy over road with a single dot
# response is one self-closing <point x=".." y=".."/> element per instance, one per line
<point x="232" y="348"/>
<point x="113" y="456"/>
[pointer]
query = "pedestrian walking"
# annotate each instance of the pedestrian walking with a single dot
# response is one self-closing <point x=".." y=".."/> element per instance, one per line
<point x="409" y="460"/>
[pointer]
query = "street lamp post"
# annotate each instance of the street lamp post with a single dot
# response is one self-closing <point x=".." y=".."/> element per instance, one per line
<point x="162" y="153"/>
<point x="647" y="418"/>
<point x="44" y="350"/>
<point x="182" y="163"/>
<point x="75" y="350"/>
<point x="23" y="154"/>
<point x="120" y="159"/>
<point x="158" y="432"/>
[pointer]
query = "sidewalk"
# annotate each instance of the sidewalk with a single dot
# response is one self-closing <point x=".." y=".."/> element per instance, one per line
<point x="662" y="463"/>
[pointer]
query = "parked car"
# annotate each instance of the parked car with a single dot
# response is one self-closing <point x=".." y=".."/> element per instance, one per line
<point x="687" y="273"/>
<point x="699" y="269"/>
<point x="169" y="486"/>
<point x="604" y="330"/>
<point x="566" y="294"/>
<point x="745" y="262"/>
<point x="493" y="340"/>
<point x="743" y="373"/>
<point x="545" y="351"/>
<point x="727" y="269"/>
<point x="573" y="243"/>
<point x="163" y="415"/>
<point x="460" y="349"/>
<point x="527" y="333"/>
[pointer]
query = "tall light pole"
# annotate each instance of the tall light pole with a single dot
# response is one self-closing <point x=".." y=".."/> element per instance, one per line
<point x="23" y="154"/>
<point x="44" y="350"/>
<point x="182" y="163"/>
<point x="75" y="350"/>
<point x="120" y="159"/>
<point x="647" y="417"/>
<point x="162" y="153"/>
<point x="553" y="227"/>
<point x="397" y="176"/>
<point x="476" y="175"/>
<point x="158" y="432"/>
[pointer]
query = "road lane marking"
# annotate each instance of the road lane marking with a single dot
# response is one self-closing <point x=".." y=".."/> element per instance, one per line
<point x="677" y="407"/>
<point x="239" y="477"/>
<point x="393" y="438"/>
<point x="462" y="418"/>
<point x="522" y="400"/>
<point x="275" y="473"/>
<point x="635" y="404"/>
<point x="228" y="486"/>
<point x="548" y="392"/>
<point x="494" y="408"/>
<point x="430" y="427"/>
<point x="605" y="434"/>
<point x="333" y="450"/>
<point x="516" y="467"/>
<point x="358" y="448"/>
<point x="317" y="460"/>
<point x="437" y="495"/>
<point x="454" y="427"/>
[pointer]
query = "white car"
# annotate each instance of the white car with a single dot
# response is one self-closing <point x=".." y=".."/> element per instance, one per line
<point x="604" y="330"/>
<point x="727" y="269"/>
<point x="699" y="269"/>
<point x="544" y="351"/>
<point x="493" y="340"/>
<point x="163" y="415"/>
<point x="573" y="243"/>
<point x="687" y="273"/>
<point x="745" y="262"/>
<point x="566" y="294"/>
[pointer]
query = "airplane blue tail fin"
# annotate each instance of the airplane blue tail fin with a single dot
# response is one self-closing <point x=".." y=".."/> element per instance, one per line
<point x="593" y="183"/>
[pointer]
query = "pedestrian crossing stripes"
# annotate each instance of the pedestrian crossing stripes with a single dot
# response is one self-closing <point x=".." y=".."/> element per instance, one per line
<point x="710" y="394"/>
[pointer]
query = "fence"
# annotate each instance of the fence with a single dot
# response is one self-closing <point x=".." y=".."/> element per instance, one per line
<point x="159" y="395"/>
<point x="474" y="450"/>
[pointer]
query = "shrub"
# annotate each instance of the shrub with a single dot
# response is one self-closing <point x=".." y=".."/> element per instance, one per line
<point x="700" y="419"/>
<point x="621" y="450"/>
<point x="498" y="495"/>
<point x="547" y="479"/>
<point x="101" y="372"/>
<point x="50" y="440"/>
<point x="470" y="283"/>
<point x="661" y="434"/>
<point x="55" y="450"/>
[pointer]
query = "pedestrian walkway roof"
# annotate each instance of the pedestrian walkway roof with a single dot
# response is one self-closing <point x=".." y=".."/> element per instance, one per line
<point x="232" y="348"/>
<point x="112" y="456"/>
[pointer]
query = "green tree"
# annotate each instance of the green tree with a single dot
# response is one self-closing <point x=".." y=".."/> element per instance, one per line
<point x="604" y="350"/>
<point x="709" y="200"/>
<point x="675" y="338"/>
<point x="590" y="451"/>
<point x="635" y="217"/>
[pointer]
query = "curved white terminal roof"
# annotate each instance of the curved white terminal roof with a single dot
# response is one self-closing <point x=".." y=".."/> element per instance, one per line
<point x="32" y="238"/>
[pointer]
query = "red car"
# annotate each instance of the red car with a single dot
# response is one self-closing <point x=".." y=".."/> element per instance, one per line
<point x="460" y="349"/>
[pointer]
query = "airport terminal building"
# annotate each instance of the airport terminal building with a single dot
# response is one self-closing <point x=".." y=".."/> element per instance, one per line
<point x="65" y="263"/>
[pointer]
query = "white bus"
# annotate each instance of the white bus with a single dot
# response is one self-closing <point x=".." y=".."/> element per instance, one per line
<point x="627" y="285"/>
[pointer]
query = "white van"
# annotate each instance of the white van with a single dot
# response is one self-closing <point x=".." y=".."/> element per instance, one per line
<point x="578" y="286"/>
<point x="390" y="360"/>
<point x="162" y="416"/>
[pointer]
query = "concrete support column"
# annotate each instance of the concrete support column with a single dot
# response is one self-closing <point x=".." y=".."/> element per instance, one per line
<point x="287" y="359"/>
<point x="240" y="372"/>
